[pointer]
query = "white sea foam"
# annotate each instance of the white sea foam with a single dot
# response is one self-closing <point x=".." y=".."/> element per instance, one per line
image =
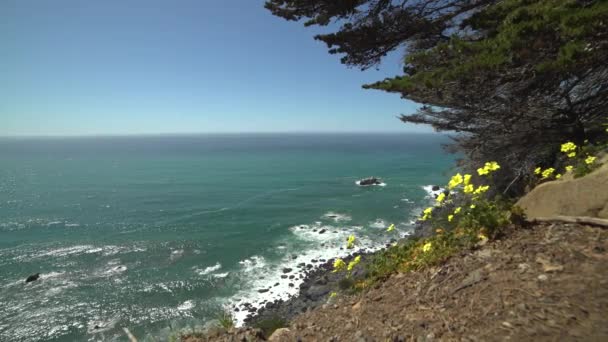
<point x="50" y="275"/>
<point x="65" y="251"/>
<point x="378" y="223"/>
<point x="176" y="254"/>
<point x="114" y="270"/>
<point x="99" y="325"/>
<point x="253" y="264"/>
<point x="432" y="194"/>
<point x="60" y="288"/>
<point x="208" y="270"/>
<point x="185" y="306"/>
<point x="220" y="275"/>
<point x="273" y="278"/>
<point x="88" y="249"/>
<point x="381" y="184"/>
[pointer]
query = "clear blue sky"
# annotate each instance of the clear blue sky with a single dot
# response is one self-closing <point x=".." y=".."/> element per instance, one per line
<point x="74" y="67"/>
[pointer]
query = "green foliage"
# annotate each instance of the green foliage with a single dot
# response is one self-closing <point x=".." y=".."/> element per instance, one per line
<point x="269" y="325"/>
<point x="581" y="166"/>
<point x="225" y="320"/>
<point x="474" y="224"/>
<point x="346" y="283"/>
<point x="486" y="216"/>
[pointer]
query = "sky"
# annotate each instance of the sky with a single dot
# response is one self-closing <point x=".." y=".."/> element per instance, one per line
<point x="73" y="67"/>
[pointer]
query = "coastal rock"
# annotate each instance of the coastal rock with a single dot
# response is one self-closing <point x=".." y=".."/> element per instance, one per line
<point x="32" y="278"/>
<point x="585" y="196"/>
<point x="436" y="188"/>
<point x="317" y="291"/>
<point x="287" y="270"/>
<point x="369" y="181"/>
<point x="280" y="334"/>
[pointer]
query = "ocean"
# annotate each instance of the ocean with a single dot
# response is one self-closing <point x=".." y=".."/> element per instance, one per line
<point x="162" y="233"/>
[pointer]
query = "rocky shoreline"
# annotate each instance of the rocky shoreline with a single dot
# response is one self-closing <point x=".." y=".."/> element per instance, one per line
<point x="318" y="284"/>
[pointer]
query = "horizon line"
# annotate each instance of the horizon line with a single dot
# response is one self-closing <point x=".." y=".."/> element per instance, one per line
<point x="110" y="135"/>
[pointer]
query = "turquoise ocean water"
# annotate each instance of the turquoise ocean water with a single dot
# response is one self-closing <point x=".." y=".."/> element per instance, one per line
<point x="157" y="232"/>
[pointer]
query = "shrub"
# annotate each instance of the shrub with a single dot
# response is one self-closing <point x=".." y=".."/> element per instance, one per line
<point x="225" y="320"/>
<point x="269" y="325"/>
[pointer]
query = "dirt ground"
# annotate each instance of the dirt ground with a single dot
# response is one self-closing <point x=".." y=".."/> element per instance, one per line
<point x="544" y="283"/>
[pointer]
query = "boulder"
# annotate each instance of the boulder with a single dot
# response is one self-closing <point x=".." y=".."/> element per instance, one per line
<point x="32" y="278"/>
<point x="281" y="334"/>
<point x="315" y="292"/>
<point x="585" y="196"/>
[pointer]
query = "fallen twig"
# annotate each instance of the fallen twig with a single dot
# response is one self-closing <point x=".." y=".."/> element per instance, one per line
<point x="129" y="335"/>
<point x="594" y="221"/>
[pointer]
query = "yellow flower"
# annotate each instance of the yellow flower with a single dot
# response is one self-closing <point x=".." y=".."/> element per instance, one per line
<point x="427" y="247"/>
<point x="483" y="171"/>
<point x="467" y="179"/>
<point x="390" y="228"/>
<point x="441" y="197"/>
<point x="547" y="173"/>
<point x="455" y="181"/>
<point x="450" y="218"/>
<point x="590" y="160"/>
<point x="481" y="236"/>
<point x="468" y="189"/>
<point x="426" y="214"/>
<point x="568" y="147"/>
<point x="537" y="171"/>
<point x="350" y="243"/>
<point x="332" y="295"/>
<point x="571" y="154"/>
<point x="488" y="167"/>
<point x="492" y="166"/>
<point x="558" y="176"/>
<point x="457" y="210"/>
<point x="569" y="168"/>
<point x="481" y="189"/>
<point x="339" y="265"/>
<point x="353" y="263"/>
<point x="473" y="206"/>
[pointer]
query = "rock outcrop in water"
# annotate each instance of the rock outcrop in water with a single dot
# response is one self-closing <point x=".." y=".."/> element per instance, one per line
<point x="369" y="181"/>
<point x="32" y="278"/>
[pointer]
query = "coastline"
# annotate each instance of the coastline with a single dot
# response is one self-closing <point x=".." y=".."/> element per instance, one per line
<point x="317" y="279"/>
<point x="314" y="292"/>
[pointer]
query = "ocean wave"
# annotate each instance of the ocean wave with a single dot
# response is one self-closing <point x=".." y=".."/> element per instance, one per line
<point x="253" y="264"/>
<point x="107" y="250"/>
<point x="186" y="306"/>
<point x="432" y="194"/>
<point x="378" y="223"/>
<point x="336" y="217"/>
<point x="266" y="281"/>
<point x="208" y="270"/>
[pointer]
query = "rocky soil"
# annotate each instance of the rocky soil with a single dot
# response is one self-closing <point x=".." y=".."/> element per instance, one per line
<point x="548" y="282"/>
